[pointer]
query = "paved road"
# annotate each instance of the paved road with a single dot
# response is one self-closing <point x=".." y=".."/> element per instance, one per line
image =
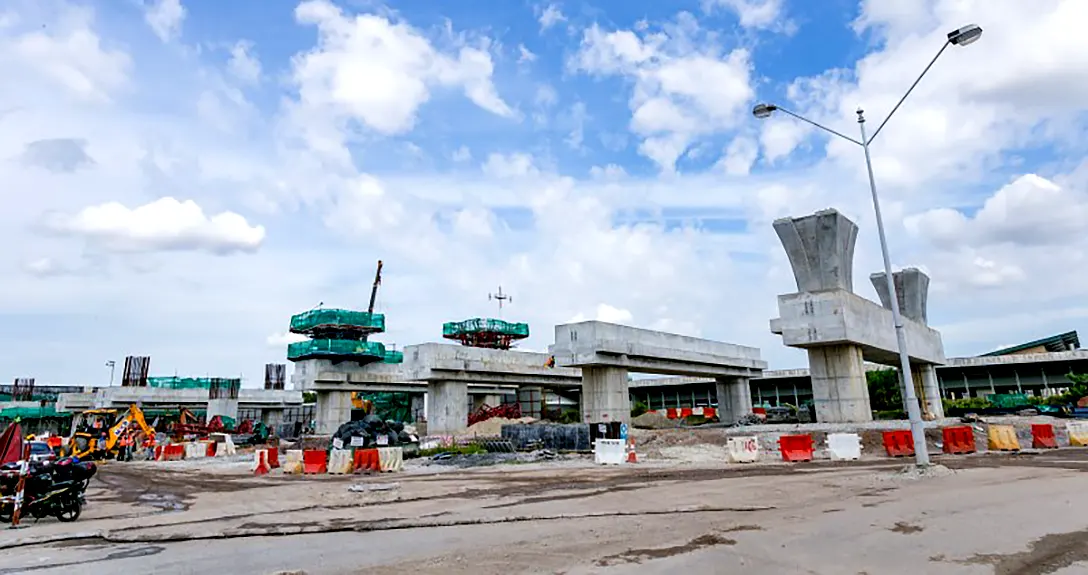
<point x="1024" y="516"/>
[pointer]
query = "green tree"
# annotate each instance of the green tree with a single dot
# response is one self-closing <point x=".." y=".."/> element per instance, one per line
<point x="884" y="390"/>
<point x="309" y="397"/>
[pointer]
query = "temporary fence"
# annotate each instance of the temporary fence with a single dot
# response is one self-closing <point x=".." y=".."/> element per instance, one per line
<point x="557" y="436"/>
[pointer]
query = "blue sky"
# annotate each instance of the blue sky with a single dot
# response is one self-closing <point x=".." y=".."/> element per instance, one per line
<point x="183" y="175"/>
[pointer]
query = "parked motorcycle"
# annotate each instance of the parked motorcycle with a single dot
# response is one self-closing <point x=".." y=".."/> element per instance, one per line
<point x="52" y="488"/>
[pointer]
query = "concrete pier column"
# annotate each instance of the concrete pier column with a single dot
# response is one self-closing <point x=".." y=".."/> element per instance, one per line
<point x="447" y="407"/>
<point x="605" y="395"/>
<point x="734" y="398"/>
<point x="222" y="408"/>
<point x="839" y="389"/>
<point x="928" y="391"/>
<point x="417" y="405"/>
<point x="333" y="409"/>
<point x="272" y="417"/>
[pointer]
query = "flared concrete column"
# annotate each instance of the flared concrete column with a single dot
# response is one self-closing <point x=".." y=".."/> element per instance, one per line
<point x="911" y="289"/>
<point x="839" y="389"/>
<point x="605" y="395"/>
<point x="222" y="408"/>
<point x="821" y="250"/>
<point x="734" y="398"/>
<point x="447" y="407"/>
<point x="333" y="409"/>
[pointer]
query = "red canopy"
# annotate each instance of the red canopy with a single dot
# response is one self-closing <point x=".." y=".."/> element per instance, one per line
<point x="11" y="444"/>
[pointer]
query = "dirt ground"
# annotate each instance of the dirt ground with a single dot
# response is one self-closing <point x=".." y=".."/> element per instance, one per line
<point x="987" y="513"/>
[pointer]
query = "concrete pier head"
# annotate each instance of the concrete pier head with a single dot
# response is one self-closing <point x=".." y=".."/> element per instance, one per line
<point x="607" y="352"/>
<point x="839" y="329"/>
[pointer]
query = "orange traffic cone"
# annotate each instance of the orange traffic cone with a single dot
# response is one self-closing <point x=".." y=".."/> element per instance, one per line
<point x="631" y="456"/>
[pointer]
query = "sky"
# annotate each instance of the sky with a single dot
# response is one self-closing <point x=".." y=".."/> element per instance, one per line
<point x="181" y="176"/>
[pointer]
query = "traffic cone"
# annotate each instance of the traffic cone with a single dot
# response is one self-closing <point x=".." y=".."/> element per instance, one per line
<point x="631" y="457"/>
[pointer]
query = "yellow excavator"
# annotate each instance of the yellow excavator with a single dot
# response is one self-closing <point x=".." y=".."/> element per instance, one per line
<point x="87" y="440"/>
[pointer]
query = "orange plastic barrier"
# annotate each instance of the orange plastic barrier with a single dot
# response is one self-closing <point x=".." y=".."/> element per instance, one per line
<point x="273" y="457"/>
<point x="709" y="412"/>
<point x="685" y="412"/>
<point x="158" y="452"/>
<point x="1042" y="436"/>
<point x="899" y="443"/>
<point x="315" y="461"/>
<point x="261" y="464"/>
<point x="367" y="460"/>
<point x="211" y="449"/>
<point x="796" y="447"/>
<point x="959" y="439"/>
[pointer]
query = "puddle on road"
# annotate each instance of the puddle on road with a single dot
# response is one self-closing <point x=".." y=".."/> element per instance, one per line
<point x="163" y="501"/>
<point x="1047" y="554"/>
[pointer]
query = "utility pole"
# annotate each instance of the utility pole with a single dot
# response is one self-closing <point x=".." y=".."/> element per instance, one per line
<point x="501" y="298"/>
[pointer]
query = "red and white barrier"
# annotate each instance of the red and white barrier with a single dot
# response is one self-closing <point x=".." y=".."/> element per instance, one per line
<point x="260" y="462"/>
<point x="742" y="449"/>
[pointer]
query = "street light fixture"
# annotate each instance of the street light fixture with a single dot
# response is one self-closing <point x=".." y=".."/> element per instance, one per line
<point x="961" y="37"/>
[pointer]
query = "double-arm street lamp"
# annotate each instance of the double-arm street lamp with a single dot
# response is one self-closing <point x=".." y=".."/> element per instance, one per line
<point x="961" y="37"/>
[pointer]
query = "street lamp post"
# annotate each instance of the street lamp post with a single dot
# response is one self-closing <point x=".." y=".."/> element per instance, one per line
<point x="111" y="364"/>
<point x="961" y="37"/>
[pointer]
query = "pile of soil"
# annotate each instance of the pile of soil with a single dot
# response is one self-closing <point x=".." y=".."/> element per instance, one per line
<point x="651" y="420"/>
<point x="491" y="427"/>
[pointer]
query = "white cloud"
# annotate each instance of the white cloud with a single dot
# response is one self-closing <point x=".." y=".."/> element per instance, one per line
<point x="550" y="16"/>
<point x="751" y="13"/>
<point x="283" y="339"/>
<point x="378" y="72"/>
<point x="462" y="154"/>
<point x="514" y="165"/>
<point x="165" y="224"/>
<point x="739" y="156"/>
<point x="608" y="172"/>
<point x="165" y="18"/>
<point x="71" y="56"/>
<point x="524" y="55"/>
<point x="606" y="313"/>
<point x="685" y="85"/>
<point x="243" y="64"/>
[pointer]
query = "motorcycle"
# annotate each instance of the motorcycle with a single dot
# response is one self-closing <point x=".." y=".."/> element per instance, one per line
<point x="52" y="488"/>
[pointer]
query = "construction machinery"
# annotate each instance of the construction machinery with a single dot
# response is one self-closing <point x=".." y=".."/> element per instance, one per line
<point x="97" y="432"/>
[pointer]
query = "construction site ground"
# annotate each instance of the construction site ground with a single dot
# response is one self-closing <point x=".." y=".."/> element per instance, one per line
<point x="1023" y="514"/>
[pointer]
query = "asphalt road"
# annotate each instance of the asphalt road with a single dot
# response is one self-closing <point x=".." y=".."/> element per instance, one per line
<point x="1023" y="516"/>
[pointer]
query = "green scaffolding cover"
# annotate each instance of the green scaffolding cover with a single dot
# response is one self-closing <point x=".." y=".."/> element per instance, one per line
<point x="337" y="319"/>
<point x="336" y="347"/>
<point x="392" y="356"/>
<point x="1008" y="400"/>
<point x="31" y="412"/>
<point x="175" y="382"/>
<point x="480" y="325"/>
<point x="392" y="405"/>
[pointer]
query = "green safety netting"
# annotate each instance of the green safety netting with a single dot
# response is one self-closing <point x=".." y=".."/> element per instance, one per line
<point x="393" y="357"/>
<point x="392" y="405"/>
<point x="1008" y="400"/>
<point x="31" y="412"/>
<point x="478" y="325"/>
<point x="175" y="382"/>
<point x="335" y="347"/>
<point x="337" y="319"/>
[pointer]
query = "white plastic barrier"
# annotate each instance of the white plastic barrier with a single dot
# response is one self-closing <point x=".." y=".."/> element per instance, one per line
<point x="742" y="449"/>
<point x="292" y="461"/>
<point x="341" y="462"/>
<point x="391" y="458"/>
<point x="195" y="450"/>
<point x="609" y="451"/>
<point x="225" y="445"/>
<point x="843" y="446"/>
